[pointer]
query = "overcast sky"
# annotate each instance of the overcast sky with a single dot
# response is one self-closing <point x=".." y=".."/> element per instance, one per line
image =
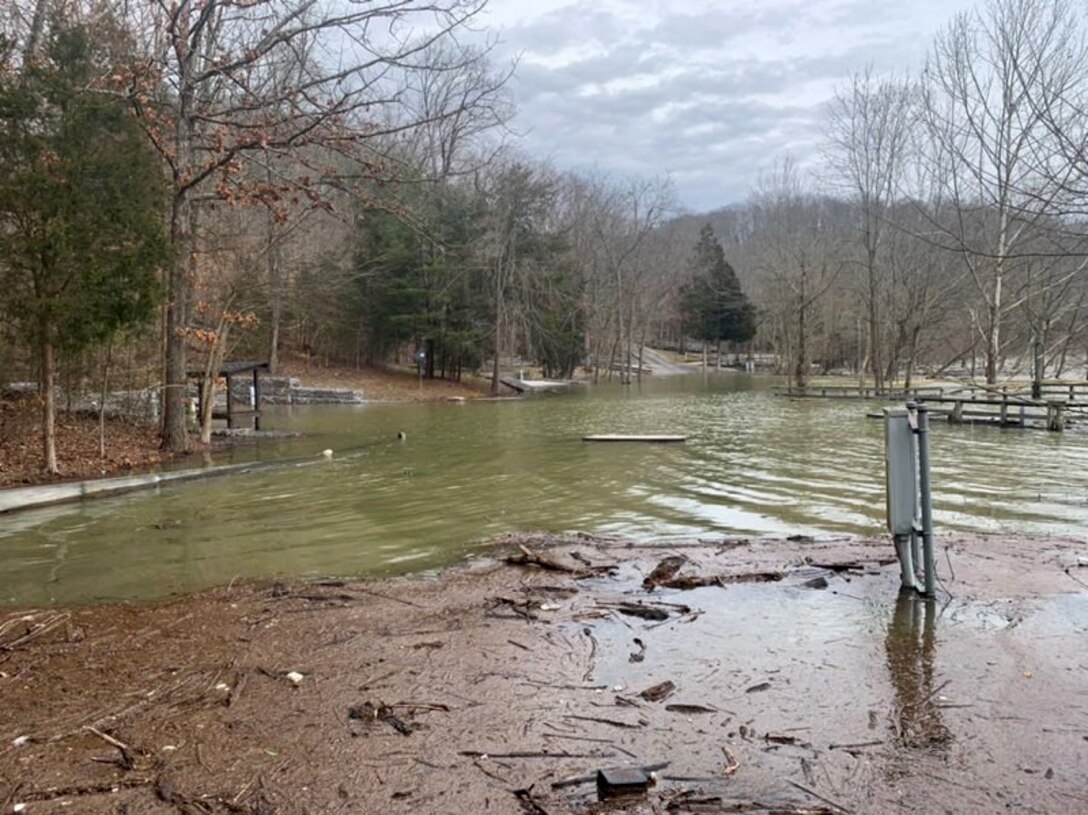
<point x="708" y="91"/>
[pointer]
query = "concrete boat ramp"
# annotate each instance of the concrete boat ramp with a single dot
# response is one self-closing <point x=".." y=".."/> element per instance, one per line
<point x="20" y="498"/>
<point x="532" y="386"/>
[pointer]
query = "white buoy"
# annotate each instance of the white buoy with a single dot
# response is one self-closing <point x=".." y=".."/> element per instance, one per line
<point x="327" y="453"/>
<point x="402" y="436"/>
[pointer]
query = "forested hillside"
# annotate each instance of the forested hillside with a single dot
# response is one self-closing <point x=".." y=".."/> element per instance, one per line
<point x="341" y="182"/>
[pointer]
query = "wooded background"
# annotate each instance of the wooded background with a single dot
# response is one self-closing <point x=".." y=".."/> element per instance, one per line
<point x="340" y="181"/>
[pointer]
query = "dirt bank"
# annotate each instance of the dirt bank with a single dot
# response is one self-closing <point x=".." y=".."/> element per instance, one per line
<point x="801" y="682"/>
<point x="130" y="446"/>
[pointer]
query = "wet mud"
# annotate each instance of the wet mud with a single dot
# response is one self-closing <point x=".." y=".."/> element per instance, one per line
<point x="763" y="676"/>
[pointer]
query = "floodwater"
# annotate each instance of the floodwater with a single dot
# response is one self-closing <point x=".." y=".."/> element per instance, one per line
<point x="756" y="465"/>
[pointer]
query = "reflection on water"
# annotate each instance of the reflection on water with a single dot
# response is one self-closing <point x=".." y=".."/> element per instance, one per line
<point x="755" y="465"/>
<point x="911" y="646"/>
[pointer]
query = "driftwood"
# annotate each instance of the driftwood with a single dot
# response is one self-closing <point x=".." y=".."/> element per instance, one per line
<point x="369" y="712"/>
<point x="128" y="755"/>
<point x="690" y="801"/>
<point x="732" y="765"/>
<point x="530" y="754"/>
<point x="34" y="629"/>
<point x="528" y="803"/>
<point x="524" y="609"/>
<point x="647" y="610"/>
<point x="701" y="581"/>
<point x="689" y="709"/>
<point x="662" y="690"/>
<point x="818" y="796"/>
<point x="599" y="720"/>
<point x="663" y="571"/>
<point x="527" y="557"/>
<point x="855" y="565"/>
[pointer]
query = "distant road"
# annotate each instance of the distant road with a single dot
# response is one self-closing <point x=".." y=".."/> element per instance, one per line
<point x="656" y="362"/>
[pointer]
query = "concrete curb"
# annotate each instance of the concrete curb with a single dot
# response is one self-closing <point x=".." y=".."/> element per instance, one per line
<point x="20" y="498"/>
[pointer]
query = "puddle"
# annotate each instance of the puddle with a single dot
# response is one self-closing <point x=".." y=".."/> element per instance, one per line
<point x="869" y="683"/>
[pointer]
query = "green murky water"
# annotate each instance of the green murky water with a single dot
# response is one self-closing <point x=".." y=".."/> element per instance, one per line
<point x="757" y="465"/>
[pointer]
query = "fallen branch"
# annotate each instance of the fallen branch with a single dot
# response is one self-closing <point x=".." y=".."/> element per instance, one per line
<point x="530" y="558"/>
<point x="529" y="805"/>
<point x="817" y="795"/>
<point x="519" y="608"/>
<point x="128" y="759"/>
<point x="732" y="765"/>
<point x="854" y="565"/>
<point x="689" y="709"/>
<point x="701" y="581"/>
<point x="42" y="629"/>
<point x="388" y="597"/>
<point x="104" y="788"/>
<point x="857" y="746"/>
<point x="530" y="754"/>
<point x="612" y="722"/>
<point x="662" y="690"/>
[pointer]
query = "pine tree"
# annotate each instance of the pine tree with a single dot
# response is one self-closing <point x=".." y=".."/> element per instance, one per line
<point x="81" y="205"/>
<point x="715" y="308"/>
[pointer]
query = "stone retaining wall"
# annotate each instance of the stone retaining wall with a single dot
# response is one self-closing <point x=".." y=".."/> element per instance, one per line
<point x="283" y="390"/>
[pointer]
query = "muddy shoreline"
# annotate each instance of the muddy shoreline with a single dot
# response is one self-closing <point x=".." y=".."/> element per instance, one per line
<point x="801" y="681"/>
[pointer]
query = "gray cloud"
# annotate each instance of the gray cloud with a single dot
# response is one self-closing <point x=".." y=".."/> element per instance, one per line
<point x="709" y="92"/>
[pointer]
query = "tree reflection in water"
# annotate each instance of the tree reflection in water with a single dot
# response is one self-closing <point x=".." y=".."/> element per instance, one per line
<point x="911" y="646"/>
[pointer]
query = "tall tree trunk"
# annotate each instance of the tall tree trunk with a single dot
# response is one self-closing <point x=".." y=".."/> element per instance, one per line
<point x="102" y="402"/>
<point x="48" y="395"/>
<point x="801" y="372"/>
<point x="912" y="353"/>
<point x="498" y="329"/>
<point x="175" y="433"/>
<point x="859" y="362"/>
<point x="274" y="282"/>
<point x="175" y="436"/>
<point x="876" y="361"/>
<point x="993" y="334"/>
<point x="37" y="25"/>
<point x="1039" y="362"/>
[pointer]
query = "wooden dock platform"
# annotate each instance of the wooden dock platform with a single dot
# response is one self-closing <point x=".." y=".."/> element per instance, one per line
<point x="854" y="392"/>
<point x="613" y="437"/>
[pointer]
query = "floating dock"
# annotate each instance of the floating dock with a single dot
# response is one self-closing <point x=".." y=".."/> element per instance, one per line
<point x="650" y="439"/>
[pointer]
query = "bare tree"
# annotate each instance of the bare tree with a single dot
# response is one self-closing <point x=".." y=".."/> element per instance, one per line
<point x="984" y="91"/>
<point x="869" y="138"/>
<point x="211" y="94"/>
<point x="800" y="256"/>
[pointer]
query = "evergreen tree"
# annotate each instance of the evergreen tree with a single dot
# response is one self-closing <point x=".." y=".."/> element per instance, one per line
<point x="81" y="205"/>
<point x="419" y="284"/>
<point x="715" y="309"/>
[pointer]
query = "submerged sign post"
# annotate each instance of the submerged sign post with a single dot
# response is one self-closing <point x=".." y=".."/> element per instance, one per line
<point x="909" y="504"/>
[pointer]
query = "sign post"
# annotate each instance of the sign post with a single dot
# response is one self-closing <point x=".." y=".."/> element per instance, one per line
<point x="909" y="500"/>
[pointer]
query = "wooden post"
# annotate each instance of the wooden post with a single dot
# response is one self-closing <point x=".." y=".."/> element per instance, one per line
<point x="230" y="405"/>
<point x="1004" y="410"/>
<point x="1055" y="417"/>
<point x="957" y="413"/>
<point x="256" y="399"/>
